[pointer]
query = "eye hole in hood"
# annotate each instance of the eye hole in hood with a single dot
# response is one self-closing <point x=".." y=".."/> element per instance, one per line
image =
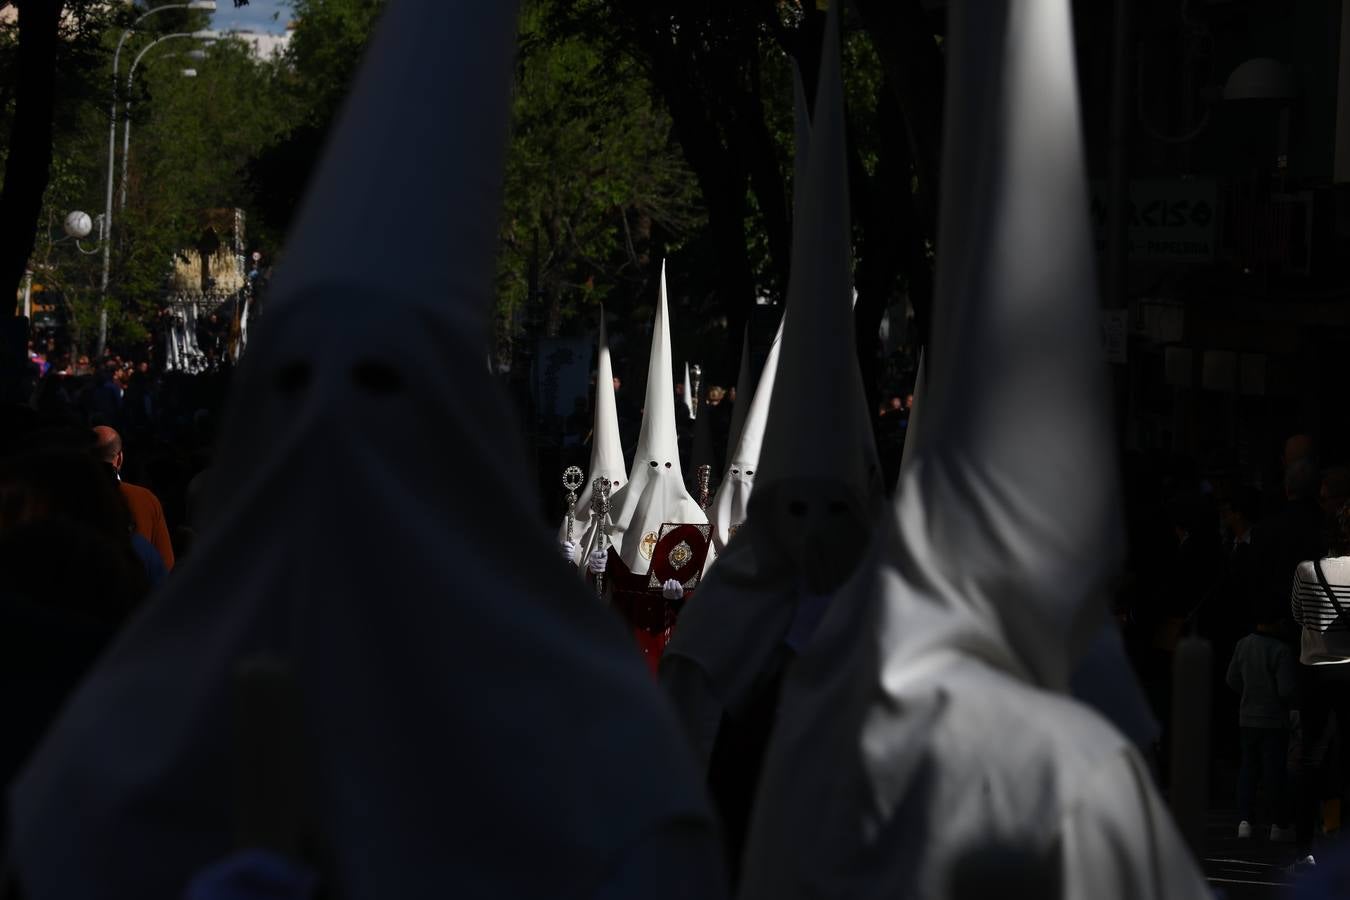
<point x="377" y="377"/>
<point x="293" y="377"/>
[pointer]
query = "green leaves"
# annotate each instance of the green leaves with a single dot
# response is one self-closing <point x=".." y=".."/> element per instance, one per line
<point x="329" y="40"/>
<point x="309" y="83"/>
<point x="191" y="139"/>
<point x="597" y="186"/>
<point x="591" y="174"/>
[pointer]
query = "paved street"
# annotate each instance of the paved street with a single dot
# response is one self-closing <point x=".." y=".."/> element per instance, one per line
<point x="1244" y="870"/>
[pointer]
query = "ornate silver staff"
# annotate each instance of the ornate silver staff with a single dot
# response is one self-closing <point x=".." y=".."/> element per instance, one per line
<point x="573" y="478"/>
<point x="696" y="381"/>
<point x="600" y="513"/>
<point x="704" y="474"/>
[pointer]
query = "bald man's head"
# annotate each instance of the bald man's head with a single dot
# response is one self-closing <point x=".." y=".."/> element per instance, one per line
<point x="108" y="445"/>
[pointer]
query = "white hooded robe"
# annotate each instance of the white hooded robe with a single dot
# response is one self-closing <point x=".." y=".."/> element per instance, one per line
<point x="935" y="692"/>
<point x="471" y="726"/>
<point x="655" y="493"/>
<point x="606" y="458"/>
<point x="816" y="482"/>
<point x="731" y="505"/>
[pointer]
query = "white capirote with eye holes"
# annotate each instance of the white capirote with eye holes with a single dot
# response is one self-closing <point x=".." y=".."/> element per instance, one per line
<point x="816" y="527"/>
<point x="935" y="690"/>
<point x="372" y="531"/>
<point x="731" y="506"/>
<point x="816" y="489"/>
<point x="655" y="492"/>
<point x="606" y="458"/>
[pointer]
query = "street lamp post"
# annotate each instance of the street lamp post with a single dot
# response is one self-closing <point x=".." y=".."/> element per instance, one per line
<point x="206" y="5"/>
<point x="77" y="226"/>
<point x="126" y="112"/>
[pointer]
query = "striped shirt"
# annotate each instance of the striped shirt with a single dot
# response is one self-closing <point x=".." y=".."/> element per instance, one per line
<point x="1326" y="633"/>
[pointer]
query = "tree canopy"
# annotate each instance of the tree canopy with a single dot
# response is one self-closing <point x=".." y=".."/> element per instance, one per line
<point x="595" y="191"/>
<point x="642" y="130"/>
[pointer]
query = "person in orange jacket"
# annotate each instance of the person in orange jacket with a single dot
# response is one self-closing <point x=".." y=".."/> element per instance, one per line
<point x="146" y="509"/>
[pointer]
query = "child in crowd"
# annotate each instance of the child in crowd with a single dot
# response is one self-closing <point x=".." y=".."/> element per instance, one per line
<point x="1262" y="671"/>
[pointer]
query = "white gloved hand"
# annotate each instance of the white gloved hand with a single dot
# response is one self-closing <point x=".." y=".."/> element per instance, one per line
<point x="598" y="561"/>
<point x="569" y="551"/>
<point x="672" y="590"/>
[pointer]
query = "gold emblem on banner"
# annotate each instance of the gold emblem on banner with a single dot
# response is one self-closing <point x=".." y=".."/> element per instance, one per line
<point x="680" y="555"/>
<point x="648" y="545"/>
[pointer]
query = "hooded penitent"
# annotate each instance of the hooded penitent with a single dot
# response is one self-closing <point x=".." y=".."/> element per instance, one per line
<point x="731" y="505"/>
<point x="655" y="493"/>
<point x="745" y="390"/>
<point x="818" y="471"/>
<point x="359" y="537"/>
<point x="934" y="691"/>
<point x="606" y="455"/>
<point x="815" y="485"/>
<point x="1103" y="677"/>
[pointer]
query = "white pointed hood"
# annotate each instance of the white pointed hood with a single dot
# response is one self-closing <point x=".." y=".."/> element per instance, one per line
<point x="745" y="387"/>
<point x="815" y="488"/>
<point x="687" y="398"/>
<point x="606" y="453"/>
<point x="818" y="466"/>
<point x="1012" y="492"/>
<point x="359" y="537"/>
<point x="732" y="503"/>
<point x="801" y="137"/>
<point x="986" y="584"/>
<point x="745" y="392"/>
<point x="1104" y="678"/>
<point x="1006" y="518"/>
<point x="655" y="492"/>
<point x="730" y="507"/>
